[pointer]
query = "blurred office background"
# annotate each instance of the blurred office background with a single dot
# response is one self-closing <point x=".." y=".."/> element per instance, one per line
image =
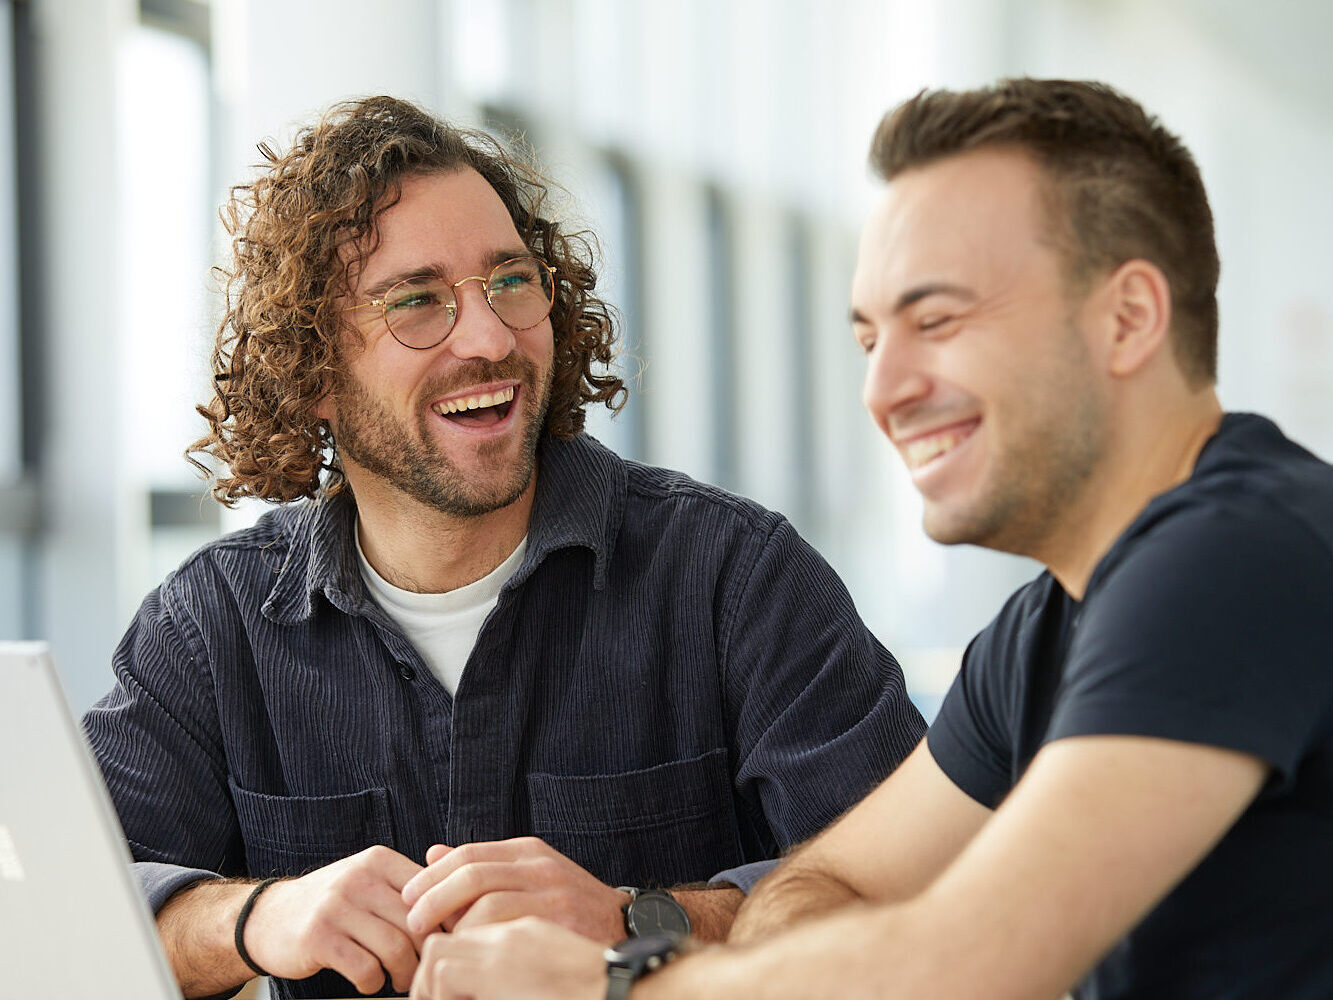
<point x="717" y="147"/>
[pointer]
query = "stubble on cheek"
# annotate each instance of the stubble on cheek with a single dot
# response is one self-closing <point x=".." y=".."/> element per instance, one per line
<point x="415" y="464"/>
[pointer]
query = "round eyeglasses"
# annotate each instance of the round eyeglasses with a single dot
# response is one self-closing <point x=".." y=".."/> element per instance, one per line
<point x="420" y="311"/>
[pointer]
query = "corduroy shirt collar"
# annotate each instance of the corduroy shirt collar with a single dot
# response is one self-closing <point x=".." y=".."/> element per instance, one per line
<point x="580" y="501"/>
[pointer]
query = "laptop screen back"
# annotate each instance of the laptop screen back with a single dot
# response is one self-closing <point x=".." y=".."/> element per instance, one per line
<point x="72" y="920"/>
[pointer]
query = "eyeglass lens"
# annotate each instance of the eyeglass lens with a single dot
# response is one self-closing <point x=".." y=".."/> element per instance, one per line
<point x="420" y="311"/>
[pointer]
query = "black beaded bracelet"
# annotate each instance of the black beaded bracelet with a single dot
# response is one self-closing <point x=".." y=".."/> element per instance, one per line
<point x="242" y="917"/>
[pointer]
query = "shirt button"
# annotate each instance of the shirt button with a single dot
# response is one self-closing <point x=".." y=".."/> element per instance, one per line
<point x="406" y="672"/>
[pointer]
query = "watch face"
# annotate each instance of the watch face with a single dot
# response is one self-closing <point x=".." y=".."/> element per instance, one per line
<point x="655" y="912"/>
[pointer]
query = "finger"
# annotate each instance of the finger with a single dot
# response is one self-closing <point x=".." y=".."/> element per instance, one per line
<point x="394" y="950"/>
<point x="423" y="983"/>
<point x="443" y="903"/>
<point x="441" y="970"/>
<point x="369" y="883"/>
<point x="435" y="852"/>
<point x="441" y="980"/>
<point x="498" y="907"/>
<point x="376" y="918"/>
<point x="455" y="858"/>
<point x="396" y="869"/>
<point x="355" y="963"/>
<point x="378" y="897"/>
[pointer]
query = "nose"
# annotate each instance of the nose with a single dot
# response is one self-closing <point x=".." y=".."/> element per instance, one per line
<point x="894" y="379"/>
<point x="478" y="332"/>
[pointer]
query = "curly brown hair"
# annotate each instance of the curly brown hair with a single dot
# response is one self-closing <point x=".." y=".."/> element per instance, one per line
<point x="1123" y="186"/>
<point x="300" y="228"/>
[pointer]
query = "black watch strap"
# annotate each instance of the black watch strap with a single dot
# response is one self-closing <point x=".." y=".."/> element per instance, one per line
<point x="633" y="958"/>
<point x="618" y="982"/>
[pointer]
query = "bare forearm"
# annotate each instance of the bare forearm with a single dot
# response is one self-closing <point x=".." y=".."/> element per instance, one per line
<point x="791" y="894"/>
<point x="197" y="927"/>
<point x="711" y="908"/>
<point x="834" y="956"/>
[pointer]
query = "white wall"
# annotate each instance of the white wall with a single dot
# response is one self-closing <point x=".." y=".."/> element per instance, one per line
<point x="81" y="550"/>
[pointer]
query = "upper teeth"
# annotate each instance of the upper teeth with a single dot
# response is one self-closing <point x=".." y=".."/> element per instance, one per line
<point x="475" y="402"/>
<point x="922" y="450"/>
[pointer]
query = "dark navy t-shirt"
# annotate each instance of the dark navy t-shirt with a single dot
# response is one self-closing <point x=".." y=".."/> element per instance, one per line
<point x="1210" y="620"/>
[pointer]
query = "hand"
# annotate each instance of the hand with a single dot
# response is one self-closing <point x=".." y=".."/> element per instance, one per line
<point x="501" y="880"/>
<point x="349" y="917"/>
<point x="525" y="959"/>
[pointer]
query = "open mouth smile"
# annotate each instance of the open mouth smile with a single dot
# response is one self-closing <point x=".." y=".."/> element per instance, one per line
<point x="929" y="447"/>
<point x="478" y="411"/>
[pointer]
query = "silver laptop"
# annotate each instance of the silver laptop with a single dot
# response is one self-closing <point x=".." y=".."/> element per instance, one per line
<point x="72" y="920"/>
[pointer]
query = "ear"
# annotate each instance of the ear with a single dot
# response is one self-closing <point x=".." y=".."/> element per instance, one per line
<point x="1139" y="297"/>
<point x="324" y="407"/>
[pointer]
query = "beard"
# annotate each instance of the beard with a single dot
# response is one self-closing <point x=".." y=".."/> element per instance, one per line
<point x="1056" y="438"/>
<point x="411" y="459"/>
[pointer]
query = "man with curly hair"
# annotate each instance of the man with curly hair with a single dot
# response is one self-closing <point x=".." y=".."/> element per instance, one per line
<point x="1128" y="791"/>
<point x="475" y="666"/>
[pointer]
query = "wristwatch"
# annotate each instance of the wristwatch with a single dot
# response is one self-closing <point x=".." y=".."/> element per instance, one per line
<point x="634" y="958"/>
<point x="654" y="911"/>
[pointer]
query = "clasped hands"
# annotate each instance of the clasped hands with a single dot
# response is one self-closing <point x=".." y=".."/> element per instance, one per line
<point x="372" y="916"/>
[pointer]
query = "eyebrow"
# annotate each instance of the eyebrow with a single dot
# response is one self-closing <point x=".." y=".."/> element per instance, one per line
<point x="912" y="296"/>
<point x="378" y="289"/>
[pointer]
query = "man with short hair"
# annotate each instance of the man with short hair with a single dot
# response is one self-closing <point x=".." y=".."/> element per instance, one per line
<point x="1129" y="789"/>
<point x="485" y="667"/>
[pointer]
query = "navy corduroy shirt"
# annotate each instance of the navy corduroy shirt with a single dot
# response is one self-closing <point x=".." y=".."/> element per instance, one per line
<point x="673" y="684"/>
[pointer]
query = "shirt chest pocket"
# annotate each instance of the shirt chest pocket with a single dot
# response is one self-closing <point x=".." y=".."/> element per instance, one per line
<point x="293" y="834"/>
<point x="662" y="825"/>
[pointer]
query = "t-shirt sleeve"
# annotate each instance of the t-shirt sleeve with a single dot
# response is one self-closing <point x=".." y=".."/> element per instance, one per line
<point x="971" y="739"/>
<point x="1214" y="629"/>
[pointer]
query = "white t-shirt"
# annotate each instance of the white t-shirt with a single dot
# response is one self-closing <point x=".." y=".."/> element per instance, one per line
<point x="442" y="627"/>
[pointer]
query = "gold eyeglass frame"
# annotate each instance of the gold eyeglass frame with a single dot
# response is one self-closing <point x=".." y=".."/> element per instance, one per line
<point x="486" y="290"/>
